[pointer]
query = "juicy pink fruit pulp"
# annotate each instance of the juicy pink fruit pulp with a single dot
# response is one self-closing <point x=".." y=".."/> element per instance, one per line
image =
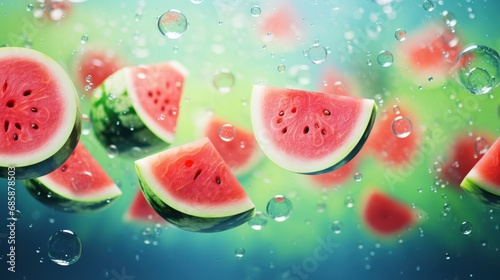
<point x="96" y="65"/>
<point x="31" y="105"/>
<point x="140" y="210"/>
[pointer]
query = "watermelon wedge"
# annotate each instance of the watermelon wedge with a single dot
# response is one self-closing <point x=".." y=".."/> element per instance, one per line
<point x="282" y="27"/>
<point x="386" y="216"/>
<point x="241" y="152"/>
<point x="483" y="180"/>
<point x="141" y="212"/>
<point x="80" y="185"/>
<point x="138" y="107"/>
<point x="430" y="52"/>
<point x="192" y="188"/>
<point x="462" y="157"/>
<point x="310" y="132"/>
<point x="40" y="118"/>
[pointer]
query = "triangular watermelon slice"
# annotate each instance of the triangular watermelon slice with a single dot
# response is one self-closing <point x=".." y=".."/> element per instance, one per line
<point x="483" y="181"/>
<point x="192" y="187"/>
<point x="79" y="185"/>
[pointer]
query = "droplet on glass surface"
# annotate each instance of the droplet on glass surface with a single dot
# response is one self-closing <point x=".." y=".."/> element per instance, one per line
<point x="172" y="24"/>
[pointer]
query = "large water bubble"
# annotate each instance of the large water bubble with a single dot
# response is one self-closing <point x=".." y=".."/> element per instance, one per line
<point x="279" y="208"/>
<point x="172" y="24"/>
<point x="65" y="247"/>
<point x="477" y="69"/>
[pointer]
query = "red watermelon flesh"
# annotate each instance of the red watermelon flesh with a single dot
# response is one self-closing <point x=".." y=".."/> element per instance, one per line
<point x="386" y="145"/>
<point x="463" y="156"/>
<point x="385" y="215"/>
<point x="240" y="153"/>
<point x="282" y="26"/>
<point x="141" y="211"/>
<point x="98" y="64"/>
<point x="334" y="83"/>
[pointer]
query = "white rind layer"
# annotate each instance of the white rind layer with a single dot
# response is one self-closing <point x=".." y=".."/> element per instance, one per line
<point x="301" y="165"/>
<point x="68" y="117"/>
<point x="144" y="171"/>
<point x="107" y="192"/>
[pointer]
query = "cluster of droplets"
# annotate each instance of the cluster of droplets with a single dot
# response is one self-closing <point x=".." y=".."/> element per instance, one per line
<point x="151" y="235"/>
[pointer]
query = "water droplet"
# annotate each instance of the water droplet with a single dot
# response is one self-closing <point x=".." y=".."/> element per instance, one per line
<point x="227" y="132"/>
<point x="255" y="11"/>
<point x="477" y="69"/>
<point x="447" y="207"/>
<point x="239" y="253"/>
<point x="172" y="24"/>
<point x="336" y="227"/>
<point x="196" y="1"/>
<point x="320" y="207"/>
<point x="161" y="117"/>
<point x="281" y="68"/>
<point x="358" y="177"/>
<point x="86" y="124"/>
<point x="401" y="127"/>
<point x="17" y="215"/>
<point x="223" y="81"/>
<point x="447" y="256"/>
<point x="88" y="79"/>
<point x="349" y="202"/>
<point x="317" y="53"/>
<point x="449" y="18"/>
<point x="29" y="7"/>
<point x="481" y="145"/>
<point x="466" y="228"/>
<point x="258" y="221"/>
<point x="428" y="5"/>
<point x="396" y="109"/>
<point x="400" y="34"/>
<point x="385" y="58"/>
<point x="84" y="39"/>
<point x="64" y="247"/>
<point x="81" y="181"/>
<point x="112" y="151"/>
<point x="279" y="208"/>
<point x="438" y="166"/>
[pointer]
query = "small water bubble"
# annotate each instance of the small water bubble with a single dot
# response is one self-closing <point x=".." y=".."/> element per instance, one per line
<point x="481" y="145"/>
<point x="223" y="81"/>
<point x="112" y="151"/>
<point x="477" y="69"/>
<point x="396" y="109"/>
<point x="400" y="34"/>
<point x="147" y="235"/>
<point x="447" y="256"/>
<point x="255" y="11"/>
<point x="196" y="1"/>
<point x="349" y="202"/>
<point x="401" y="127"/>
<point x="369" y="62"/>
<point x="483" y="243"/>
<point x="86" y="124"/>
<point x="84" y="39"/>
<point x="239" y="253"/>
<point x="279" y="208"/>
<point x="466" y="228"/>
<point x="281" y="68"/>
<point x="244" y="102"/>
<point x="358" y="177"/>
<point x="385" y="58"/>
<point x="29" y="7"/>
<point x="320" y="207"/>
<point x="447" y="207"/>
<point x="438" y="166"/>
<point x="449" y="18"/>
<point x="336" y="227"/>
<point x="162" y="117"/>
<point x="316" y="53"/>
<point x="227" y="132"/>
<point x="428" y="5"/>
<point x="258" y="221"/>
<point x="64" y="247"/>
<point x="172" y="24"/>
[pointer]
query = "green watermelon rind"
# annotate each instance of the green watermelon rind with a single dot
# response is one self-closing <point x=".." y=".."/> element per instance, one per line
<point x="481" y="190"/>
<point x="51" y="198"/>
<point x="51" y="162"/>
<point x="115" y="121"/>
<point x="189" y="222"/>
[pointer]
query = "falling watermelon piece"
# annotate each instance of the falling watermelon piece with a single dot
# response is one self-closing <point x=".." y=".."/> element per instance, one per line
<point x="94" y="66"/>
<point x="282" y="27"/>
<point x="238" y="149"/>
<point x="80" y="185"/>
<point x="333" y="82"/>
<point x="136" y="109"/>
<point x="310" y="132"/>
<point x="465" y="152"/>
<point x="483" y="180"/>
<point x="140" y="211"/>
<point x="386" y="216"/>
<point x="192" y="188"/>
<point x="40" y="118"/>
<point x="387" y="144"/>
<point x="430" y="53"/>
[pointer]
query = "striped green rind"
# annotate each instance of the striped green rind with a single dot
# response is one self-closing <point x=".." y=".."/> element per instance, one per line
<point x="478" y="191"/>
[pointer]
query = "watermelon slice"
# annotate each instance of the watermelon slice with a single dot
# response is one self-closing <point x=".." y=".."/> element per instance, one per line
<point x="430" y="52"/>
<point x="94" y="66"/>
<point x="40" y="118"/>
<point x="140" y="211"/>
<point x="282" y="27"/>
<point x="241" y="153"/>
<point x="138" y="107"/>
<point x="386" y="216"/>
<point x="310" y="132"/>
<point x="388" y="147"/>
<point x="80" y="185"/>
<point x="463" y="156"/>
<point x="192" y="187"/>
<point x="483" y="180"/>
